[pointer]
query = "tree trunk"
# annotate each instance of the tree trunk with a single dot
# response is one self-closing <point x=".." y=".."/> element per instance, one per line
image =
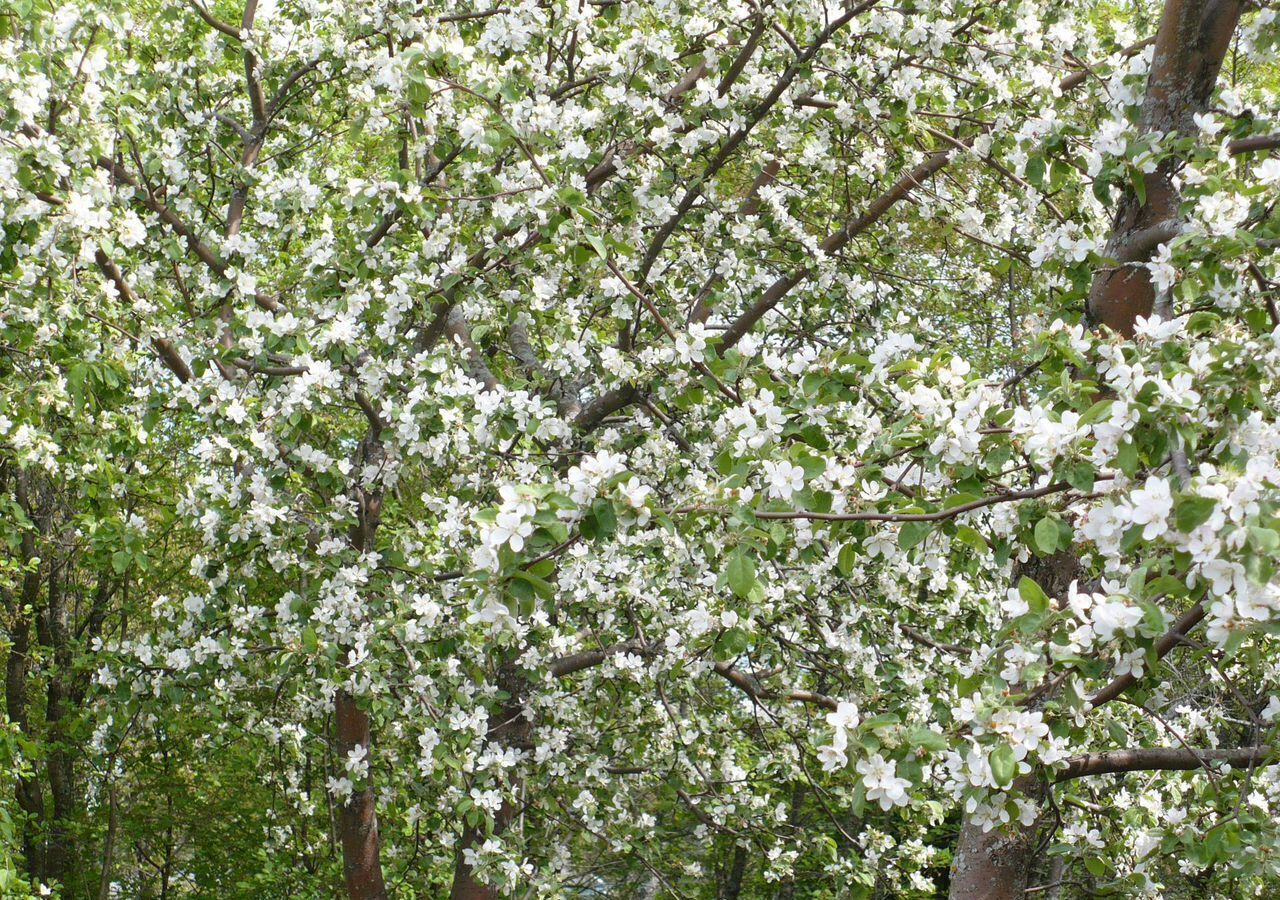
<point x="466" y="886"/>
<point x="1193" y="38"/>
<point x="361" y="867"/>
<point x="787" y="890"/>
<point x="1190" y="45"/>
<point x="61" y="855"/>
<point x="361" y="862"/>
<point x="510" y="729"/>
<point x="109" y="844"/>
<point x="738" y="868"/>
<point x="995" y="865"/>
<point x="30" y="797"/>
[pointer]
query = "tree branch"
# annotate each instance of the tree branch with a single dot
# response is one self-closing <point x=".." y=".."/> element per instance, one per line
<point x="758" y="692"/>
<point x="167" y="352"/>
<point x="1167" y="642"/>
<point x="1159" y="759"/>
<point x="586" y="659"/>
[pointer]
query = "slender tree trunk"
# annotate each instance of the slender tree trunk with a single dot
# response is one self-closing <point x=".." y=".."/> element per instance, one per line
<point x="358" y="823"/>
<point x="737" y="869"/>
<point x="30" y="797"/>
<point x="360" y="864"/>
<point x="61" y="855"/>
<point x="109" y="844"/>
<point x="787" y="890"/>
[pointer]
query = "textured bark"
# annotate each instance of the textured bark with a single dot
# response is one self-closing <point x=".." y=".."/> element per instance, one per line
<point x="1193" y="38"/>
<point x="995" y="865"/>
<point x="1176" y="759"/>
<point x="29" y="795"/>
<point x="60" y="701"/>
<point x="466" y="886"/>
<point x="361" y="868"/>
<point x="361" y="862"/>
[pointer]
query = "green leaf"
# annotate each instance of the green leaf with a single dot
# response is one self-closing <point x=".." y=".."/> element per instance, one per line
<point x="971" y="536"/>
<point x="1152" y="617"/>
<point x="1033" y="595"/>
<point x="597" y="244"/>
<point x="1127" y="459"/>
<point x="1265" y="539"/>
<point x="1003" y="765"/>
<point x="1035" y="170"/>
<point x="927" y="739"/>
<point x="732" y="642"/>
<point x="1258" y="569"/>
<point x="848" y="558"/>
<point x="1081" y="476"/>
<point x="912" y="533"/>
<point x="1192" y="511"/>
<point x="119" y="561"/>
<point x="1097" y="412"/>
<point x="1140" y="186"/>
<point x="813" y="466"/>
<point x="741" y="574"/>
<point x="309" y="640"/>
<point x="542" y="569"/>
<point x="883" y="720"/>
<point x="540" y="586"/>
<point x="606" y="517"/>
<point x="1046" y="535"/>
<point x="520" y="589"/>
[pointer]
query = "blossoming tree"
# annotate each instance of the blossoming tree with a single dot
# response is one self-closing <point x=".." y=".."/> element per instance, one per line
<point x="658" y="449"/>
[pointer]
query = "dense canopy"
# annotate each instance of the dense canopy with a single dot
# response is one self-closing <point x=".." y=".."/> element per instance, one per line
<point x="639" y="448"/>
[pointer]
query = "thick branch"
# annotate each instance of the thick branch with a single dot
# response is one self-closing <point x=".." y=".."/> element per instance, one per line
<point x="1167" y="642"/>
<point x="1193" y="38"/>
<point x="175" y="222"/>
<point x="1159" y="759"/>
<point x="1254" y="144"/>
<point x="587" y="659"/>
<point x="460" y="333"/>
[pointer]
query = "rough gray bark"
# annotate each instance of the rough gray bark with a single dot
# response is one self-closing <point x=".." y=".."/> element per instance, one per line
<point x="993" y="865"/>
<point x="997" y="864"/>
